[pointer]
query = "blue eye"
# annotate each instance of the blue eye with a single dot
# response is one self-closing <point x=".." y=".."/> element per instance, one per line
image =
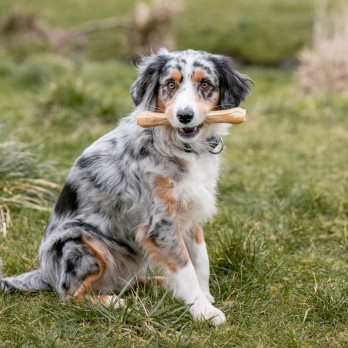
<point x="171" y="85"/>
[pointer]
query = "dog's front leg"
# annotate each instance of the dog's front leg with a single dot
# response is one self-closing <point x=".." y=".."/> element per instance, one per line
<point x="164" y="244"/>
<point x="185" y="286"/>
<point x="197" y="249"/>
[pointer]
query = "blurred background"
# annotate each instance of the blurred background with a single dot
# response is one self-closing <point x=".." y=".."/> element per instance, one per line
<point x="309" y="34"/>
<point x="265" y="32"/>
<point x="279" y="243"/>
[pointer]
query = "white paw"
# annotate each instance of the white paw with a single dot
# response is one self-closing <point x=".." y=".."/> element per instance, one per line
<point x="112" y="301"/>
<point x="209" y="297"/>
<point x="207" y="312"/>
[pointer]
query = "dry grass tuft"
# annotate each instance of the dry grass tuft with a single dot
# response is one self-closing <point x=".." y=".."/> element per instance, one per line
<point x="21" y="182"/>
<point x="324" y="67"/>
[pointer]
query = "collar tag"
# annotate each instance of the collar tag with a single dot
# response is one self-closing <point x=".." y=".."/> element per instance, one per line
<point x="217" y="144"/>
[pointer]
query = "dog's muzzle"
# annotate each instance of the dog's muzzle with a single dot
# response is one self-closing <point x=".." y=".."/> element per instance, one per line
<point x="189" y="132"/>
<point x="185" y="115"/>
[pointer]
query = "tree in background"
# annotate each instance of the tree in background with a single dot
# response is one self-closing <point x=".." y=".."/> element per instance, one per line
<point x="324" y="67"/>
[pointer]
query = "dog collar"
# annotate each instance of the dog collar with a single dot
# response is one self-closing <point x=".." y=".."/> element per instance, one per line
<point x="216" y="145"/>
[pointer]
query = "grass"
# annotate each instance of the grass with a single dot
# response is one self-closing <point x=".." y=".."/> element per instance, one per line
<point x="278" y="244"/>
<point x="233" y="28"/>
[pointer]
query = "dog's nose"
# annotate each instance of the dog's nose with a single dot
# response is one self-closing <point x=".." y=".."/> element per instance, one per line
<point x="185" y="115"/>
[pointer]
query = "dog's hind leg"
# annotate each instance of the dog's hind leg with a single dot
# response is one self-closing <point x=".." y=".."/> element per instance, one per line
<point x="89" y="283"/>
<point x="30" y="281"/>
<point x="76" y="265"/>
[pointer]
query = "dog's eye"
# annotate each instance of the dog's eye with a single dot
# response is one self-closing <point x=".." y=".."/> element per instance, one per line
<point x="204" y="84"/>
<point x="171" y="85"/>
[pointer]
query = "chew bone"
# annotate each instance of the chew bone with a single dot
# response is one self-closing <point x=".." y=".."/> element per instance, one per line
<point x="234" y="116"/>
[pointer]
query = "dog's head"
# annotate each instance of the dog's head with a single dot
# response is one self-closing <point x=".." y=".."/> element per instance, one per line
<point x="186" y="85"/>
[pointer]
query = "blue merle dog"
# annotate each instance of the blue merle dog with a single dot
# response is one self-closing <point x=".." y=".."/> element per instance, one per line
<point x="140" y="196"/>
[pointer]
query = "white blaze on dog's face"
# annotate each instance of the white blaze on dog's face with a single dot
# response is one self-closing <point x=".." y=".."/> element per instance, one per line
<point x="188" y="90"/>
<point x="187" y="85"/>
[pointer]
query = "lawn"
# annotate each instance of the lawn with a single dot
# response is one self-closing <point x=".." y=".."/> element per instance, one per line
<point x="230" y="27"/>
<point x="278" y="244"/>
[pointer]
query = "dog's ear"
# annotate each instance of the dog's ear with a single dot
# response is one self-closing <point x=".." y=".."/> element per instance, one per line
<point x="145" y="87"/>
<point x="234" y="87"/>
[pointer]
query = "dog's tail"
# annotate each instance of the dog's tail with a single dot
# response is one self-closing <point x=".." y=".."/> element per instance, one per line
<point x="30" y="281"/>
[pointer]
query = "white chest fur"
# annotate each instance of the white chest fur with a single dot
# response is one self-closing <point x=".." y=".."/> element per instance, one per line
<point x="197" y="190"/>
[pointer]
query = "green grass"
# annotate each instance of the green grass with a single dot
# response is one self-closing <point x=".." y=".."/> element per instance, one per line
<point x="258" y="32"/>
<point x="278" y="244"/>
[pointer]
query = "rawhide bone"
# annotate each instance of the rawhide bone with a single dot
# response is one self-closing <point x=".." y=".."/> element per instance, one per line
<point x="149" y="119"/>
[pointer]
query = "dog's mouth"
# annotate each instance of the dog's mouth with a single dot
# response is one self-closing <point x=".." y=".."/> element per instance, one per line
<point x="189" y="132"/>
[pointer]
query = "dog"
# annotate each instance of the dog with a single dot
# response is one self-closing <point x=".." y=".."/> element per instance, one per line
<point x="139" y="197"/>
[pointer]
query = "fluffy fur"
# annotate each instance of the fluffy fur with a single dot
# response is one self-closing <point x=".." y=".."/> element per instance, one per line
<point x="138" y="195"/>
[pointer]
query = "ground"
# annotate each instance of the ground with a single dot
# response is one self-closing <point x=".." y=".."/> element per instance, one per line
<point x="278" y="244"/>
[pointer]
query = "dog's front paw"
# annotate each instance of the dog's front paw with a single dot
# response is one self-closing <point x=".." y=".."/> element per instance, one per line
<point x="206" y="311"/>
<point x="209" y="297"/>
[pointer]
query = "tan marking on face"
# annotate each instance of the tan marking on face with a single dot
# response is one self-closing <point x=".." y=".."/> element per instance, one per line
<point x="204" y="106"/>
<point x="167" y="108"/>
<point x="172" y="261"/>
<point x="197" y="234"/>
<point x="198" y="75"/>
<point x="89" y="281"/>
<point x="176" y="75"/>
